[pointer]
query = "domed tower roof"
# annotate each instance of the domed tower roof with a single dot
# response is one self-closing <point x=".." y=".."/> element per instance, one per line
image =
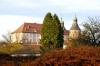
<point x="74" y="24"/>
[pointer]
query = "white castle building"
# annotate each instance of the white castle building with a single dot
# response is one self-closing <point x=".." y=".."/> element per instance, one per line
<point x="30" y="33"/>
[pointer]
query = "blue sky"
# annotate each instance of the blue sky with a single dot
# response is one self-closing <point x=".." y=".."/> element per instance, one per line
<point x="13" y="13"/>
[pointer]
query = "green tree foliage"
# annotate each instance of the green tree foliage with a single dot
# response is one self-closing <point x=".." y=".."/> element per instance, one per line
<point x="57" y="31"/>
<point x="45" y="32"/>
<point x="91" y="30"/>
<point x="52" y="32"/>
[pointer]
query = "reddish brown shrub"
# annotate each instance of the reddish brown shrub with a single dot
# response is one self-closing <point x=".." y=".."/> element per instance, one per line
<point x="73" y="56"/>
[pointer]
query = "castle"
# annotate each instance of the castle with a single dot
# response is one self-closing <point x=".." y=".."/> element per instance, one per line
<point x="29" y="33"/>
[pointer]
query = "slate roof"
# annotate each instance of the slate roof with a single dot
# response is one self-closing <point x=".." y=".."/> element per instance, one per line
<point x="75" y="25"/>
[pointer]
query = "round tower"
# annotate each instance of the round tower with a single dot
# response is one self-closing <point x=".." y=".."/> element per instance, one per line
<point x="74" y="30"/>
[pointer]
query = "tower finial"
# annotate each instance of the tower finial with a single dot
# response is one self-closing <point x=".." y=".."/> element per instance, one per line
<point x="75" y="18"/>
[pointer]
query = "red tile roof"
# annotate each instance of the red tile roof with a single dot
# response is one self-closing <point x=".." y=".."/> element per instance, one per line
<point x="32" y="27"/>
<point x="29" y="28"/>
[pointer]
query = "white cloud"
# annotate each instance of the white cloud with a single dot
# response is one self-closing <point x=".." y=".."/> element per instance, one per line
<point x="50" y="5"/>
<point x="76" y="4"/>
<point x="66" y="4"/>
<point x="19" y="3"/>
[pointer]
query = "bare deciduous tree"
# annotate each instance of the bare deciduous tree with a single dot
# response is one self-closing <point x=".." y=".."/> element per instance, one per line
<point x="7" y="37"/>
<point x="92" y="30"/>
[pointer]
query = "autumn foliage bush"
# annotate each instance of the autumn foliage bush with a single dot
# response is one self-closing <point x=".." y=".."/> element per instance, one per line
<point x="73" y="56"/>
<point x="9" y="48"/>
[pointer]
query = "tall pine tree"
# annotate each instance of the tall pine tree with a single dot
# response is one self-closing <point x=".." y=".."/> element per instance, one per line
<point x="52" y="32"/>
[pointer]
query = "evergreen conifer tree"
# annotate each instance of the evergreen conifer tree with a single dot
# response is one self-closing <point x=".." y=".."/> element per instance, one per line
<point x="45" y="32"/>
<point x="58" y="32"/>
<point x="52" y="32"/>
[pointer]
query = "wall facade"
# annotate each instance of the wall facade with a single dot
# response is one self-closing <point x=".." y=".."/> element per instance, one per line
<point x="25" y="37"/>
<point x="74" y="34"/>
<point x="28" y="37"/>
